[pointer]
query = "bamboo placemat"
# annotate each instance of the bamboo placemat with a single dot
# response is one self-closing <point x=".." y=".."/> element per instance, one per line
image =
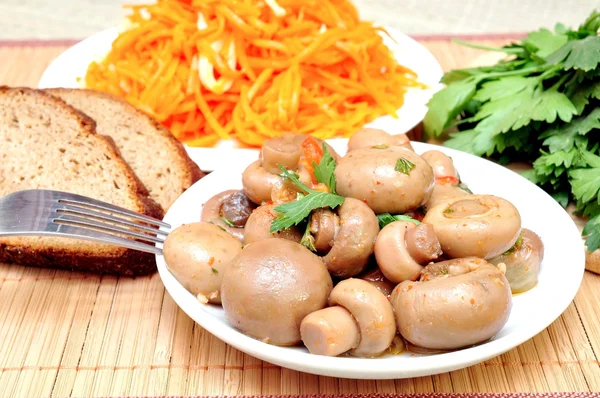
<point x="68" y="334"/>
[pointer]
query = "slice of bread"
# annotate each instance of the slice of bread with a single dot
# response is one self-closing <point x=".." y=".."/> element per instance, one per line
<point x="47" y="144"/>
<point x="154" y="154"/>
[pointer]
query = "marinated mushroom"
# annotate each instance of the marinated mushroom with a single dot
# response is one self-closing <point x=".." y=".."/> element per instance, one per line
<point x="259" y="224"/>
<point x="288" y="150"/>
<point x="443" y="167"/>
<point x="372" y="311"/>
<point x="271" y="286"/>
<point x="389" y="180"/>
<point x="354" y="241"/>
<point x="197" y="255"/>
<point x="403" y="248"/>
<point x="229" y="210"/>
<point x="475" y="225"/>
<point x="376" y="278"/>
<point x="369" y="137"/>
<point x="456" y="303"/>
<point x="522" y="261"/>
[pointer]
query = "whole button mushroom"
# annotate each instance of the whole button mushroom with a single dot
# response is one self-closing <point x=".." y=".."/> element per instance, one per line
<point x="197" y="255"/>
<point x="229" y="210"/>
<point x="369" y="137"/>
<point x="475" y="225"/>
<point x="271" y="286"/>
<point x="258" y="182"/>
<point x="443" y="167"/>
<point x="360" y="321"/>
<point x="522" y="261"/>
<point x="403" y="248"/>
<point x="259" y="224"/>
<point x="456" y="303"/>
<point x="389" y="180"/>
<point x="354" y="240"/>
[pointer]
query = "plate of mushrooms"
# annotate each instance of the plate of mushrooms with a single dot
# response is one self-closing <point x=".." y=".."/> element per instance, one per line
<point x="370" y="258"/>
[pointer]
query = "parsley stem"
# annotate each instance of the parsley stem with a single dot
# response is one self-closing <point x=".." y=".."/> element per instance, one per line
<point x="525" y="71"/>
<point x="481" y="47"/>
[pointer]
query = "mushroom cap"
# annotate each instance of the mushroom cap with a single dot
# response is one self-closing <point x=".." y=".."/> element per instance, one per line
<point x="211" y="213"/>
<point x="259" y="224"/>
<point x="369" y="175"/>
<point x="368" y="137"/>
<point x="271" y="286"/>
<point x="475" y="225"/>
<point x="354" y="241"/>
<point x="198" y="254"/>
<point x="258" y="183"/>
<point x="457" y="303"/>
<point x="372" y="311"/>
<point x="393" y="258"/>
<point x="523" y="263"/>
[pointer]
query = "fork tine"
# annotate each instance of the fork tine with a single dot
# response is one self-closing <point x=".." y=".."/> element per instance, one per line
<point x="96" y="215"/>
<point x="90" y="224"/>
<point x="88" y="203"/>
<point x="72" y="231"/>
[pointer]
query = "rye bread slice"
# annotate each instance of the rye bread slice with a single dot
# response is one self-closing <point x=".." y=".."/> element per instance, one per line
<point x="45" y="143"/>
<point x="155" y="155"/>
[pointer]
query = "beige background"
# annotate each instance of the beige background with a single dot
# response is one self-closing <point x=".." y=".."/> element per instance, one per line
<point x="74" y="19"/>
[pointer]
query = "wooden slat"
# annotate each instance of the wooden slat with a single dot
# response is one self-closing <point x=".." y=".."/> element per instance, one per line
<point x="83" y="335"/>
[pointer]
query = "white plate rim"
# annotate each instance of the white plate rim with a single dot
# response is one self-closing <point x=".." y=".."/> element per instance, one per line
<point x="348" y="368"/>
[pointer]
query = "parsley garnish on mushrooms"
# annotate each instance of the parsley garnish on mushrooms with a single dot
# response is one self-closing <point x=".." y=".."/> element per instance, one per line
<point x="386" y="218"/>
<point x="227" y="221"/>
<point x="214" y="270"/>
<point x="294" y="213"/>
<point x="308" y="240"/>
<point x="380" y="146"/>
<point x="404" y="166"/>
<point x="325" y="170"/>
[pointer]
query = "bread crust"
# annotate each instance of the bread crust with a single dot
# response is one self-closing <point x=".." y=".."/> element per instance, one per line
<point x="192" y="171"/>
<point x="117" y="260"/>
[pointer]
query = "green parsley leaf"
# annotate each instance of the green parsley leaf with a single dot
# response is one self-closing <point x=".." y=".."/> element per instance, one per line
<point x="214" y="270"/>
<point x="446" y="104"/>
<point x="504" y="87"/>
<point x="293" y="213"/>
<point x="581" y="54"/>
<point x="404" y="166"/>
<point x="380" y="146"/>
<point x="564" y="137"/>
<point x="386" y="218"/>
<point x="294" y="178"/>
<point x="546" y="42"/>
<point x="308" y="240"/>
<point x="585" y="183"/>
<point x="592" y="231"/>
<point x="582" y="94"/>
<point x="325" y="170"/>
<point x="227" y="221"/>
<point x="448" y="211"/>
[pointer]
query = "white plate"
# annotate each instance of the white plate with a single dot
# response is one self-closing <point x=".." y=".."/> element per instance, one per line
<point x="69" y="68"/>
<point x="561" y="274"/>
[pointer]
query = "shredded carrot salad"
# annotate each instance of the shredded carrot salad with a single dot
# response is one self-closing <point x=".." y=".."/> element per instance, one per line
<point x="250" y="70"/>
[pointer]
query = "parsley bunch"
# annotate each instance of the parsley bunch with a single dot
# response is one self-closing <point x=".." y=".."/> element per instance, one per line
<point x="540" y="104"/>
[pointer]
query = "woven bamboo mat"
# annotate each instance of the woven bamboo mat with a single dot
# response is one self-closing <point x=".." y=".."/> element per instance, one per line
<point x="69" y="334"/>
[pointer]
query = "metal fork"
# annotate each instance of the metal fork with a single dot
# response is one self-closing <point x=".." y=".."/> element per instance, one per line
<point x="39" y="212"/>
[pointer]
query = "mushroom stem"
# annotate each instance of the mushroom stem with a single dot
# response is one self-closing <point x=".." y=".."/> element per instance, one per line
<point x="422" y="244"/>
<point x="324" y="225"/>
<point x="331" y="331"/>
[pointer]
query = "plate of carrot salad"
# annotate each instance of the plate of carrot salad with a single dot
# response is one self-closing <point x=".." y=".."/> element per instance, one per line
<point x="233" y="73"/>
